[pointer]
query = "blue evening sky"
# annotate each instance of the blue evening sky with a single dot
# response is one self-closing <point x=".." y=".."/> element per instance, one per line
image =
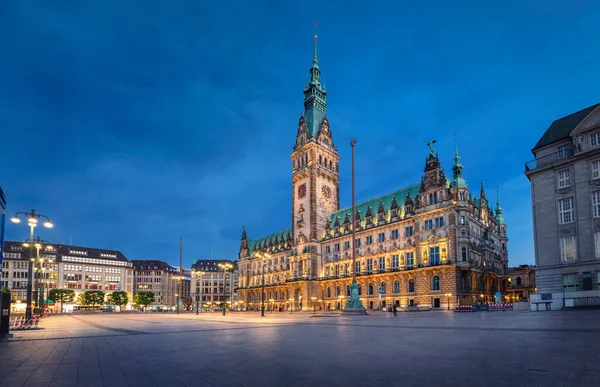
<point x="132" y="123"/>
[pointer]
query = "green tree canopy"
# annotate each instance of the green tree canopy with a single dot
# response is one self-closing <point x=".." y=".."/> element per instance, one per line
<point x="144" y="298"/>
<point x="61" y="295"/>
<point x="92" y="297"/>
<point x="119" y="298"/>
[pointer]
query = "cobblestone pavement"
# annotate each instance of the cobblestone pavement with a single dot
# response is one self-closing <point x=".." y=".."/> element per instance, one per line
<point x="283" y="349"/>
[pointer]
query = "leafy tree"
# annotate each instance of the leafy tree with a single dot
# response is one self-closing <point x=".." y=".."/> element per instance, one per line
<point x="61" y="295"/>
<point x="119" y="298"/>
<point x="79" y="299"/>
<point x="144" y="298"/>
<point x="93" y="297"/>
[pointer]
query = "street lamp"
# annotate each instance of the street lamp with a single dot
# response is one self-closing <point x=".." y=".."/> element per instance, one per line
<point x="264" y="257"/>
<point x="199" y="274"/>
<point x="39" y="271"/>
<point x="32" y="222"/>
<point x="225" y="266"/>
<point x="448" y="295"/>
<point x="313" y="299"/>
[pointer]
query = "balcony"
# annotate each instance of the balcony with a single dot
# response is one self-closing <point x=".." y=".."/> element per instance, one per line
<point x="549" y="160"/>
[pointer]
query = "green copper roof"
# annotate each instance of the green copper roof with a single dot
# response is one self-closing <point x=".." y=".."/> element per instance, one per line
<point x="315" y="96"/>
<point x="562" y="128"/>
<point x="458" y="181"/>
<point x="271" y="237"/>
<point x="400" y="196"/>
<point x="499" y="217"/>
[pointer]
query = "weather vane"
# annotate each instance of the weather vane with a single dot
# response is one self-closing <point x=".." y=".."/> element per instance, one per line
<point x="430" y="145"/>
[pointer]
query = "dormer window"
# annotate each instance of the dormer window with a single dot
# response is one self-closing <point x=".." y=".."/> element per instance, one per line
<point x="563" y="151"/>
<point x="394" y="213"/>
<point x="408" y="209"/>
<point x="433" y="198"/>
<point x="595" y="139"/>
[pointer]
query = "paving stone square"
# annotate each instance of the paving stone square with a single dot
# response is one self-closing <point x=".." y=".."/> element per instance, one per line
<point x="301" y="349"/>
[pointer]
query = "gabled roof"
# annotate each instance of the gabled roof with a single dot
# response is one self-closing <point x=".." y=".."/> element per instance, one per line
<point x="562" y="128"/>
<point x="400" y="196"/>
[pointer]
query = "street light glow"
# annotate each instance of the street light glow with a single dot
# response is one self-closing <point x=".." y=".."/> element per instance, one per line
<point x="14" y="219"/>
<point x="48" y="224"/>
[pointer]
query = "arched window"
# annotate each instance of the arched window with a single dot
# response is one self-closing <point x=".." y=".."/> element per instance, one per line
<point x="396" y="286"/>
<point x="518" y="281"/>
<point x="348" y="290"/>
<point x="337" y="291"/>
<point x="328" y="292"/>
<point x="383" y="288"/>
<point x="481" y="283"/>
<point x="370" y="289"/>
<point x="435" y="283"/>
<point x="359" y="290"/>
<point x="411" y="286"/>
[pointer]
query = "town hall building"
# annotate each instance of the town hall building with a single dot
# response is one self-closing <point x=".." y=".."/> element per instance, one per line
<point x="429" y="244"/>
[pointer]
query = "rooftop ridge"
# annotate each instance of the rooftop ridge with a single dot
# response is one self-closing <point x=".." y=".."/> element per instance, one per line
<point x="380" y="197"/>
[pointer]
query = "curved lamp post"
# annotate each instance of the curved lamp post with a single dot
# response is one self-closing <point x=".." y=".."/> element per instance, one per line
<point x="32" y="221"/>
<point x="264" y="257"/>
<point x="225" y="266"/>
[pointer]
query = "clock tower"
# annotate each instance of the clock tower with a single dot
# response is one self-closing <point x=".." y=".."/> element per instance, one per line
<point x="315" y="160"/>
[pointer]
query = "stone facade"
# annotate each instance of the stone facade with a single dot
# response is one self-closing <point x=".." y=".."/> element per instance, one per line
<point x="207" y="284"/>
<point x="521" y="283"/>
<point x="565" y="192"/>
<point x="158" y="277"/>
<point x="429" y="243"/>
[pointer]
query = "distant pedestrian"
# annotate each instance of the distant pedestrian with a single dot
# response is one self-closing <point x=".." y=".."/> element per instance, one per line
<point x="395" y="308"/>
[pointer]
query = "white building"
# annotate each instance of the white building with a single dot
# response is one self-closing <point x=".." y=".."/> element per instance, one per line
<point x="66" y="267"/>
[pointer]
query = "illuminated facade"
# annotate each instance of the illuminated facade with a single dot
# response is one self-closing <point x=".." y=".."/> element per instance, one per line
<point x="158" y="277"/>
<point x="208" y="280"/>
<point x="427" y="244"/>
<point x="68" y="267"/>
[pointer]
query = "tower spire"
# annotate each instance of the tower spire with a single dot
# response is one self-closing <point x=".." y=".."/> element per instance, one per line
<point x="499" y="217"/>
<point x="315" y="96"/>
<point x="458" y="180"/>
<point x="315" y="58"/>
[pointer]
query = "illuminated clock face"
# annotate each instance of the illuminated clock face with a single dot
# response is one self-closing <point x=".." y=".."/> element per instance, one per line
<point x="302" y="190"/>
<point x="326" y="191"/>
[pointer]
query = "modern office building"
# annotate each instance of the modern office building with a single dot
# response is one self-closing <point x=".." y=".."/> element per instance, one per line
<point x="429" y="243"/>
<point x="158" y="277"/>
<point x="208" y="280"/>
<point x="521" y="283"/>
<point x="69" y="267"/>
<point x="565" y="195"/>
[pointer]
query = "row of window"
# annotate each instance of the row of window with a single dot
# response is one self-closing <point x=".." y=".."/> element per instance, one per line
<point x="564" y="176"/>
<point x="571" y="282"/>
<point x="394" y="234"/>
<point x="435" y="286"/>
<point x="568" y="247"/>
<point x="566" y="208"/>
<point x="408" y="260"/>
